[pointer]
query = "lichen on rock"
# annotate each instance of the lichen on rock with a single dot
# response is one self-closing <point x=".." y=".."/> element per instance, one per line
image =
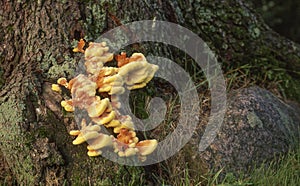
<point x="254" y="120"/>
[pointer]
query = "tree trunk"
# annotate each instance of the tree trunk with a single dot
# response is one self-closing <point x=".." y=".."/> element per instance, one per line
<point x="36" y="49"/>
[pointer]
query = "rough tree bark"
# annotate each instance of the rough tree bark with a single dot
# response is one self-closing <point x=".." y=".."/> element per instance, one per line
<point x="36" y="49"/>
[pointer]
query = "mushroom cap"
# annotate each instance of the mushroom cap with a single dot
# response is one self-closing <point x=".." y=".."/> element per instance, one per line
<point x="83" y="90"/>
<point x="146" y="147"/>
<point x="56" y="88"/>
<point x="121" y="153"/>
<point x="104" y="118"/>
<point x="101" y="141"/>
<point x="108" y="71"/>
<point x="93" y="67"/>
<point x="130" y="152"/>
<point x="126" y="137"/>
<point x="136" y="86"/>
<point x="116" y="90"/>
<point x="85" y="136"/>
<point x="68" y="105"/>
<point x="125" y="143"/>
<point x="111" y="84"/>
<point x="98" y="51"/>
<point x="139" y="72"/>
<point x="74" y="132"/>
<point x="93" y="128"/>
<point x="114" y="78"/>
<point x="80" y="46"/>
<point x="98" y="107"/>
<point x="105" y="88"/>
<point x="94" y="152"/>
<point x="126" y="123"/>
<point x="123" y="60"/>
<point x="63" y="81"/>
<point x="114" y="123"/>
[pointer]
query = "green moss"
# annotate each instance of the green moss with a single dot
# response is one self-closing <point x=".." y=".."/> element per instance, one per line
<point x="96" y="169"/>
<point x="14" y="141"/>
<point x="10" y="117"/>
<point x="54" y="69"/>
<point x="95" y="20"/>
<point x="42" y="132"/>
<point x="64" y="70"/>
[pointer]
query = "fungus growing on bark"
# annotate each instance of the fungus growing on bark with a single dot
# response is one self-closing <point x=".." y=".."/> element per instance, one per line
<point x="86" y="133"/>
<point x="80" y="46"/>
<point x="103" y="110"/>
<point x="91" y="134"/>
<point x="95" y="56"/>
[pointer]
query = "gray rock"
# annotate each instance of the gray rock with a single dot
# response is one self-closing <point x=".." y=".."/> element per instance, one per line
<point x="257" y="126"/>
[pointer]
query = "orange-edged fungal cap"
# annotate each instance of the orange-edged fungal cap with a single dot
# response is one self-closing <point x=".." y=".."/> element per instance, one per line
<point x="63" y="81"/>
<point x="123" y="60"/>
<point x="80" y="46"/>
<point x="146" y="147"/>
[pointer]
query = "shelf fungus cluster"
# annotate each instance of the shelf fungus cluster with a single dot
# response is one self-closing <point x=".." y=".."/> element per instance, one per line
<point x="98" y="94"/>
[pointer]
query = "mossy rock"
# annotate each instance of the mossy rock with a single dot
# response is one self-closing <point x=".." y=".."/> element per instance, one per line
<point x="257" y="127"/>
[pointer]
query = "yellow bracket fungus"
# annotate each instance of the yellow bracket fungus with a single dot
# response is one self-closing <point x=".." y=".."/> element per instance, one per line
<point x="103" y="110"/>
